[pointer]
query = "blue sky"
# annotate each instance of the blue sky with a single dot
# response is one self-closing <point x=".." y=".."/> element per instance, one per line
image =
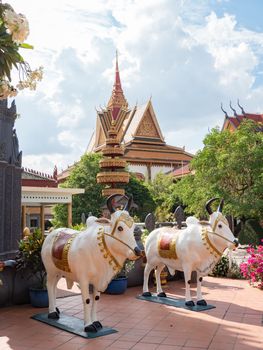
<point x="189" y="55"/>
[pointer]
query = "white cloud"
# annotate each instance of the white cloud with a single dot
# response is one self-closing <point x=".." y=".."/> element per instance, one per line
<point x="180" y="52"/>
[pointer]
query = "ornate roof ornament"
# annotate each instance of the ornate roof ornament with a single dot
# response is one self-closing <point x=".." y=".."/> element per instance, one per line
<point x="117" y="99"/>
<point x="235" y="112"/>
<point x="226" y="115"/>
<point x="242" y="109"/>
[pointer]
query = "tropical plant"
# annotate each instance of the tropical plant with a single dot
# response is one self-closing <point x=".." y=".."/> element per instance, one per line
<point x="127" y="267"/>
<point x="29" y="258"/>
<point x="229" y="167"/>
<point x="252" y="269"/>
<point x="14" y="29"/>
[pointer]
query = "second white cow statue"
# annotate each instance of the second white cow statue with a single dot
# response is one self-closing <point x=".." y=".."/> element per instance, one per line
<point x="198" y="248"/>
<point x="89" y="257"/>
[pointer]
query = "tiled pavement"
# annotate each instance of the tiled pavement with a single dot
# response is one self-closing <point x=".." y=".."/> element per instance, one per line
<point x="235" y="323"/>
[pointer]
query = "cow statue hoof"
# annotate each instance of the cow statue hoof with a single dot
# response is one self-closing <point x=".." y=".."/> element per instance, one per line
<point x="161" y="295"/>
<point x="54" y="315"/>
<point x="189" y="303"/>
<point x="146" y="294"/>
<point x="93" y="327"/>
<point x="201" y="302"/>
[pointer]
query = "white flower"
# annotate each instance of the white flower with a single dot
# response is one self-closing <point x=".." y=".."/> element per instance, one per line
<point x="17" y="25"/>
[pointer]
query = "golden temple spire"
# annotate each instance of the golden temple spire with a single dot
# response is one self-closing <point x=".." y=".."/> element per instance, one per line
<point x="117" y="99"/>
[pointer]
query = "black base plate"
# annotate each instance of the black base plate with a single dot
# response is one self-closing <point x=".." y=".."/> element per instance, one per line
<point x="175" y="302"/>
<point x="73" y="325"/>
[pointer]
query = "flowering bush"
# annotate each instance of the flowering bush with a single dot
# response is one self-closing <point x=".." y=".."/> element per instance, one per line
<point x="252" y="269"/>
<point x="14" y="30"/>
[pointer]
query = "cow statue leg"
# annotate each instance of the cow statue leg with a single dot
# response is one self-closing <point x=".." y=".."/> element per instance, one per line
<point x="52" y="280"/>
<point x="199" y="297"/>
<point x="87" y="305"/>
<point x="159" y="290"/>
<point x="147" y="270"/>
<point x="96" y="297"/>
<point x="187" y="278"/>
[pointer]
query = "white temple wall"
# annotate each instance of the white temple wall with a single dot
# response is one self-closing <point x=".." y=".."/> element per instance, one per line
<point x="142" y="169"/>
<point x="157" y="169"/>
<point x="154" y="170"/>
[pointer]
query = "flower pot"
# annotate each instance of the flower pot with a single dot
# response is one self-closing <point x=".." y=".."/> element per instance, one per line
<point x="38" y="297"/>
<point x="117" y="286"/>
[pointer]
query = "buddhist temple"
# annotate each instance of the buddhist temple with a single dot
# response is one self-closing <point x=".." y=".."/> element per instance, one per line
<point x="231" y="123"/>
<point x="138" y="133"/>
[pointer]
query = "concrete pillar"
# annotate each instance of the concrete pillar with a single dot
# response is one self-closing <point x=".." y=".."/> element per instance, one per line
<point x="69" y="214"/>
<point x="42" y="219"/>
<point x="24" y="223"/>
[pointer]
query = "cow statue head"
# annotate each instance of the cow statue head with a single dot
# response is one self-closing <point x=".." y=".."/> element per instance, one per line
<point x="220" y="225"/>
<point x="122" y="228"/>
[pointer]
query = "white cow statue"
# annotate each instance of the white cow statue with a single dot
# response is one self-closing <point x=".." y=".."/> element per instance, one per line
<point x="89" y="257"/>
<point x="198" y="248"/>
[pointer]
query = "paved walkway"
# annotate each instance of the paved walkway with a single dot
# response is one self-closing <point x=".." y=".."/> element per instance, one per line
<point x="235" y="323"/>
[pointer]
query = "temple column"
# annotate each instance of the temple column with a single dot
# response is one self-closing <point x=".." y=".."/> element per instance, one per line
<point x="149" y="173"/>
<point x="23" y="217"/>
<point x="69" y="214"/>
<point x="42" y="219"/>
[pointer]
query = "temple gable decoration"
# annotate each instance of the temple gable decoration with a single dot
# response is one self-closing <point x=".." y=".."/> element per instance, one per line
<point x="148" y="126"/>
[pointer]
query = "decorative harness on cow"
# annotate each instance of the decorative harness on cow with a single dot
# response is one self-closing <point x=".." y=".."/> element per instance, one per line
<point x="205" y="231"/>
<point x="116" y="266"/>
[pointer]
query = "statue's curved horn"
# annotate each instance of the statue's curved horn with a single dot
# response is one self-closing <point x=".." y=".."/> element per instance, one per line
<point x="208" y="205"/>
<point x="128" y="204"/>
<point x="220" y="207"/>
<point x="109" y="203"/>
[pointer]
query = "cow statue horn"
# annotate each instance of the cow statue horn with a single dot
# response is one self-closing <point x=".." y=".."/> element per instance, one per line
<point x="109" y="203"/>
<point x="208" y="205"/>
<point x="220" y="207"/>
<point x="128" y="204"/>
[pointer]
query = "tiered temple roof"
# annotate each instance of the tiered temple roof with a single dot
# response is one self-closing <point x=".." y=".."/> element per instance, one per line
<point x="232" y="122"/>
<point x="137" y="130"/>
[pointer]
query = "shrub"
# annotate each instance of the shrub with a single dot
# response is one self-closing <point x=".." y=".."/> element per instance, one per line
<point x="29" y="257"/>
<point x="221" y="268"/>
<point x="252" y="269"/>
<point x="252" y="233"/>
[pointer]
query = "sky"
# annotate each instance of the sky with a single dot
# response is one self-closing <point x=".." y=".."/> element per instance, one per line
<point x="188" y="56"/>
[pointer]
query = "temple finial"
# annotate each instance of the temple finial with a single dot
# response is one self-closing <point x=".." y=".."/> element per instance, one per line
<point x="117" y="100"/>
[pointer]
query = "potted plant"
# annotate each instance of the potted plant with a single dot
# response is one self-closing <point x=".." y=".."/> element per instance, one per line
<point x="118" y="284"/>
<point x="29" y="260"/>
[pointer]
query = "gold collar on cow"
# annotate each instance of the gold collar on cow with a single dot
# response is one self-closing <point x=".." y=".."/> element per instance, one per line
<point x="209" y="245"/>
<point x="106" y="252"/>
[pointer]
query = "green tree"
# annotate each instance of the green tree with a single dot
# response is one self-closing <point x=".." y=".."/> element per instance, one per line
<point x="141" y="196"/>
<point x="82" y="176"/>
<point x="230" y="166"/>
<point x="162" y="191"/>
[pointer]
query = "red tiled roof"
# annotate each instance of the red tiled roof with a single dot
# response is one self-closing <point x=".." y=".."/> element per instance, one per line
<point x="235" y="121"/>
<point x="181" y="171"/>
